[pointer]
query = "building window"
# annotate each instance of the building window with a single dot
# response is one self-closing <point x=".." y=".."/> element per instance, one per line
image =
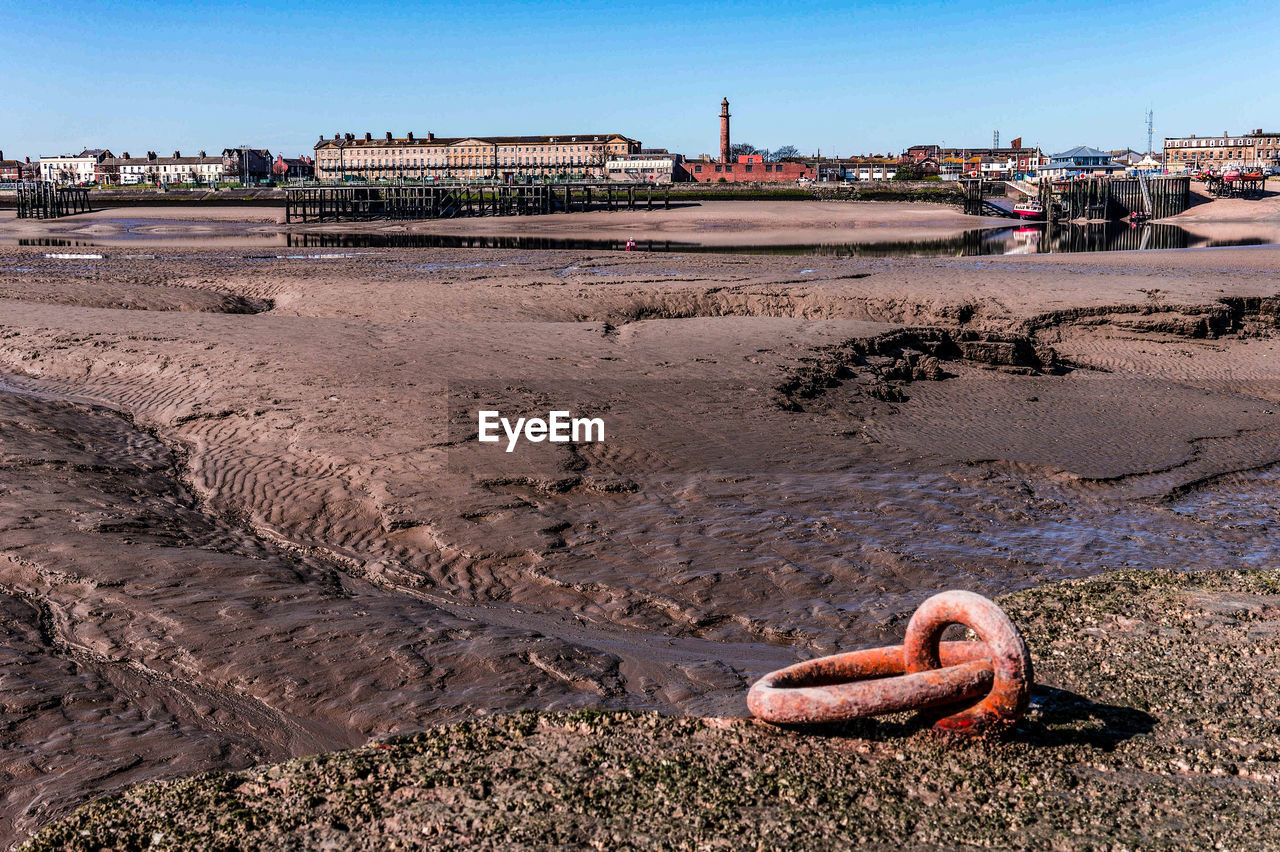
<point x="719" y="168"/>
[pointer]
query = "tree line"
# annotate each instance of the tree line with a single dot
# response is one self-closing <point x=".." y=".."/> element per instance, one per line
<point x="776" y="155"/>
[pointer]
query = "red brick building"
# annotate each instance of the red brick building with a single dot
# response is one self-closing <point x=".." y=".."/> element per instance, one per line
<point x="744" y="168"/>
<point x="10" y="170"/>
<point x="290" y="168"/>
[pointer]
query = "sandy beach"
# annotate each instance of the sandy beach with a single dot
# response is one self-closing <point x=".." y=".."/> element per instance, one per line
<point x="246" y="517"/>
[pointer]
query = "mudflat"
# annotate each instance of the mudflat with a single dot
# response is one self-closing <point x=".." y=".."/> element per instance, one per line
<point x="246" y="516"/>
<point x="708" y="223"/>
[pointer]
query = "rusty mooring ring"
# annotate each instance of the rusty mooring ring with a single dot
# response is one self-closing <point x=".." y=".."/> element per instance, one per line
<point x="868" y="683"/>
<point x="1010" y="659"/>
<point x="922" y="674"/>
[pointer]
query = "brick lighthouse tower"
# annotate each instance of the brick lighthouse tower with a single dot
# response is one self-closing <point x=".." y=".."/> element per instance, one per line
<point x="724" y="130"/>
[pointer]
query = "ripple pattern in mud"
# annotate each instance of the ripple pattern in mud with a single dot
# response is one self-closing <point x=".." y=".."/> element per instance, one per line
<point x="272" y="542"/>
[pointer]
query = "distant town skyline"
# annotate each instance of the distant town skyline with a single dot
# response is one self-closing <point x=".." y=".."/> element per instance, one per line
<point x="844" y="79"/>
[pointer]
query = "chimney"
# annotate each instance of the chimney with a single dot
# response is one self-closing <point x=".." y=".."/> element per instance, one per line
<point x="203" y="154"/>
<point x="410" y="136"/>
<point x="431" y="137"/>
<point x="126" y="155"/>
<point x="177" y="154"/>
<point x="388" y="135"/>
<point x="368" y="137"/>
<point x="337" y="137"/>
<point x="351" y="137"/>
<point x="724" y="130"/>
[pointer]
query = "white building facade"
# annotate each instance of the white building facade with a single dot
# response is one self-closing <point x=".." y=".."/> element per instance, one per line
<point x="202" y="169"/>
<point x="72" y="169"/>
<point x="651" y="168"/>
<point x="871" y="171"/>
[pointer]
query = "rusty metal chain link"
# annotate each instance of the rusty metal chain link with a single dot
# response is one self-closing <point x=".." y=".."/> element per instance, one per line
<point x="966" y="688"/>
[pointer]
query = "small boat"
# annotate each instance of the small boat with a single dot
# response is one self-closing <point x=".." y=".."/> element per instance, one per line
<point x="1029" y="210"/>
<point x="1231" y="174"/>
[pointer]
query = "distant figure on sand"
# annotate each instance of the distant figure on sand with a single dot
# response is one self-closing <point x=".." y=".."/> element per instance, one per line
<point x="630" y="244"/>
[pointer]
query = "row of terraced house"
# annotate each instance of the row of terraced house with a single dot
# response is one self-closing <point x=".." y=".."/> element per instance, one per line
<point x="100" y="166"/>
<point x="1255" y="149"/>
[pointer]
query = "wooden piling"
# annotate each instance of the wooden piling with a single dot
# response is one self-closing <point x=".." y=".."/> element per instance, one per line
<point x="435" y="201"/>
<point x="43" y="200"/>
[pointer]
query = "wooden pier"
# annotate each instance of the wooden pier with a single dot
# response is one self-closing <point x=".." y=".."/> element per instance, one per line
<point x="976" y="193"/>
<point x="1110" y="198"/>
<point x="450" y="201"/>
<point x="46" y="201"/>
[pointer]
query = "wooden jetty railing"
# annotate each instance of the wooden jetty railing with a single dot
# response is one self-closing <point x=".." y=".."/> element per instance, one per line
<point x="448" y="201"/>
<point x="42" y="200"/>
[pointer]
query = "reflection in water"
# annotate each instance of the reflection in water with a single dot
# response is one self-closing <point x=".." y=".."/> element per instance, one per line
<point x="1023" y="239"/>
<point x="1029" y="239"/>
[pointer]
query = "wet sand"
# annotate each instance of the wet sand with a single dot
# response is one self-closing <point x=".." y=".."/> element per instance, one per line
<point x="246" y="517"/>
<point x="143" y="227"/>
<point x="1235" y="218"/>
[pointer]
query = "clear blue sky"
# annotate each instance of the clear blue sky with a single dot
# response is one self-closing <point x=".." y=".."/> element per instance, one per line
<point x="847" y="78"/>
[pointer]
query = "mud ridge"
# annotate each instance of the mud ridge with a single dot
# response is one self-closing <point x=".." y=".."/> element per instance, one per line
<point x="1228" y="315"/>
<point x="883" y="364"/>
<point x="814" y="302"/>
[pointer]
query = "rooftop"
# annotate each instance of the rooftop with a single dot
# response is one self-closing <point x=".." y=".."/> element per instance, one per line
<point x="1081" y="151"/>
<point x="447" y="141"/>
